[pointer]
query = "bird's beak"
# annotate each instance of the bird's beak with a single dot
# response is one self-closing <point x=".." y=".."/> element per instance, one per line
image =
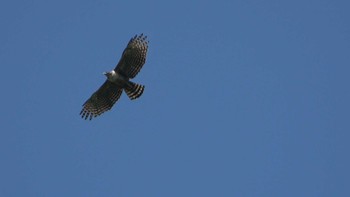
<point x="104" y="73"/>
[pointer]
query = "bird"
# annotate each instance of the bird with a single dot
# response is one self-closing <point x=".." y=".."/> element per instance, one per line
<point x="132" y="60"/>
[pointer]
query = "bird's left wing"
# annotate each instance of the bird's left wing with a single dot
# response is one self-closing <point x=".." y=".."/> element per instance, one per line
<point x="102" y="100"/>
<point x="134" y="56"/>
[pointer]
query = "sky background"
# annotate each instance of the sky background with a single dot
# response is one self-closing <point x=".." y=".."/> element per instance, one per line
<point x="242" y="98"/>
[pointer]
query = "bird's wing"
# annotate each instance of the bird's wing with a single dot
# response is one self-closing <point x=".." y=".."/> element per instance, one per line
<point x="102" y="100"/>
<point x="134" y="56"/>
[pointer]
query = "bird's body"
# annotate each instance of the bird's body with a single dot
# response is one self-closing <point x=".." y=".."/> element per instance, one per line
<point x="116" y="78"/>
<point x="131" y="62"/>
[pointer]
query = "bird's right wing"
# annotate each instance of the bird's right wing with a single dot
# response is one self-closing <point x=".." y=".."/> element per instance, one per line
<point x="134" y="57"/>
<point x="102" y="100"/>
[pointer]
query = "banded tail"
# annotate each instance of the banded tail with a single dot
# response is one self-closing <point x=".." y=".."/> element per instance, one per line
<point x="134" y="90"/>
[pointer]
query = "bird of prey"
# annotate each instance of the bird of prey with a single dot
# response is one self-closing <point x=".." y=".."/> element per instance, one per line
<point x="118" y="79"/>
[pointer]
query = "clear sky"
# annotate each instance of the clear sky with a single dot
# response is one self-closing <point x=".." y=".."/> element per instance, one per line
<point x="242" y="98"/>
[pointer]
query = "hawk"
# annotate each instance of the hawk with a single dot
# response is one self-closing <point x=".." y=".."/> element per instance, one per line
<point x="131" y="62"/>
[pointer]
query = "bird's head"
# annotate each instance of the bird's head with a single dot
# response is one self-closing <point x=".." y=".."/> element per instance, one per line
<point x="106" y="74"/>
<point x="109" y="74"/>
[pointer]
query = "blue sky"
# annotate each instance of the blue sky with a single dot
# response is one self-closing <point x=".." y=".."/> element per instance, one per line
<point x="242" y="98"/>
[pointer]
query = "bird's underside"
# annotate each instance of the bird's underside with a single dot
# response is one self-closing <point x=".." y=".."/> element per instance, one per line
<point x="130" y="64"/>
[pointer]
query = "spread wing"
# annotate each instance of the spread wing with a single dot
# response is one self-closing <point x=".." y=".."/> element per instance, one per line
<point x="134" y="56"/>
<point x="102" y="100"/>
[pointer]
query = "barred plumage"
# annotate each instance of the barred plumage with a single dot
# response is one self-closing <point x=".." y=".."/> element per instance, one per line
<point x="135" y="91"/>
<point x="130" y="64"/>
<point x="134" y="57"/>
<point x="102" y="100"/>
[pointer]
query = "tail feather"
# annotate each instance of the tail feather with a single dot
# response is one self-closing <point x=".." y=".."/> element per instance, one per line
<point x="134" y="91"/>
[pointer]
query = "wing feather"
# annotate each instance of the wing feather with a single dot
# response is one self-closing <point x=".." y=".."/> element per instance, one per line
<point x="133" y="57"/>
<point x="101" y="101"/>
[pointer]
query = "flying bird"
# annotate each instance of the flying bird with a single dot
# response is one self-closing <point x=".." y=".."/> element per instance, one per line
<point x="118" y="79"/>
